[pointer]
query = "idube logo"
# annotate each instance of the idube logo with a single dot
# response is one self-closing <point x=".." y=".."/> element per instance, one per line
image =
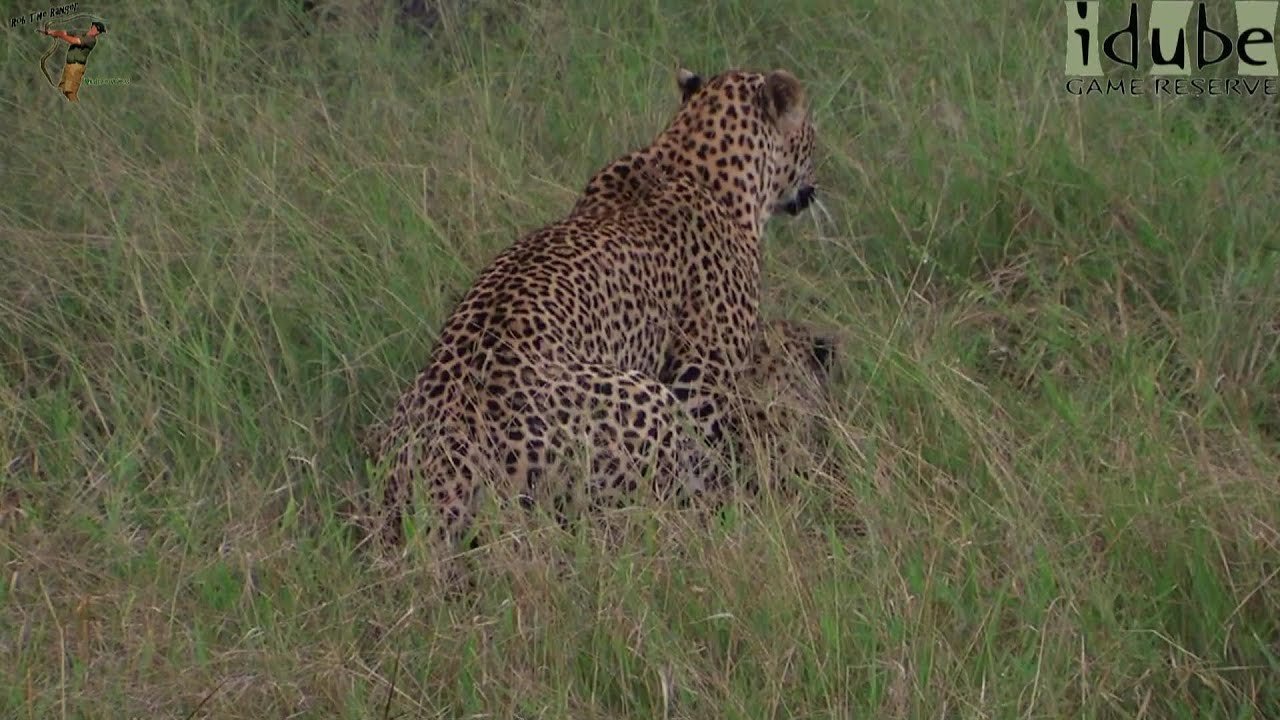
<point x="1250" y="47"/>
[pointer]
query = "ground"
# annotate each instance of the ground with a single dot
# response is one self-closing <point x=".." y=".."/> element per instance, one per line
<point x="1058" y="327"/>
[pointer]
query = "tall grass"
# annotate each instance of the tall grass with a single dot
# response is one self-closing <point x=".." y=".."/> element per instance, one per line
<point x="1060" y="401"/>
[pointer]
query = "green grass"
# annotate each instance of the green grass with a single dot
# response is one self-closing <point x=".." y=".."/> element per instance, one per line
<point x="1060" y="395"/>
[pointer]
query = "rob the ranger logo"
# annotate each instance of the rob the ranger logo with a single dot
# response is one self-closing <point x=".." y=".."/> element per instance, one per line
<point x="1166" y="47"/>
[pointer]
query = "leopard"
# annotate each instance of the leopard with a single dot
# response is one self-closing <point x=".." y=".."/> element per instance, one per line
<point x="602" y="352"/>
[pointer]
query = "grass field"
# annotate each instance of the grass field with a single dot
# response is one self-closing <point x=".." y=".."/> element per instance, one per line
<point x="1060" y="393"/>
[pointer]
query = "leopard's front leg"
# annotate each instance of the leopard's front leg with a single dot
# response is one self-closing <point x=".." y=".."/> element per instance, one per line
<point x="705" y="377"/>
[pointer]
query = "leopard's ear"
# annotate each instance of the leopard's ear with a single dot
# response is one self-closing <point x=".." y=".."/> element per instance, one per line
<point x="784" y="100"/>
<point x="689" y="83"/>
